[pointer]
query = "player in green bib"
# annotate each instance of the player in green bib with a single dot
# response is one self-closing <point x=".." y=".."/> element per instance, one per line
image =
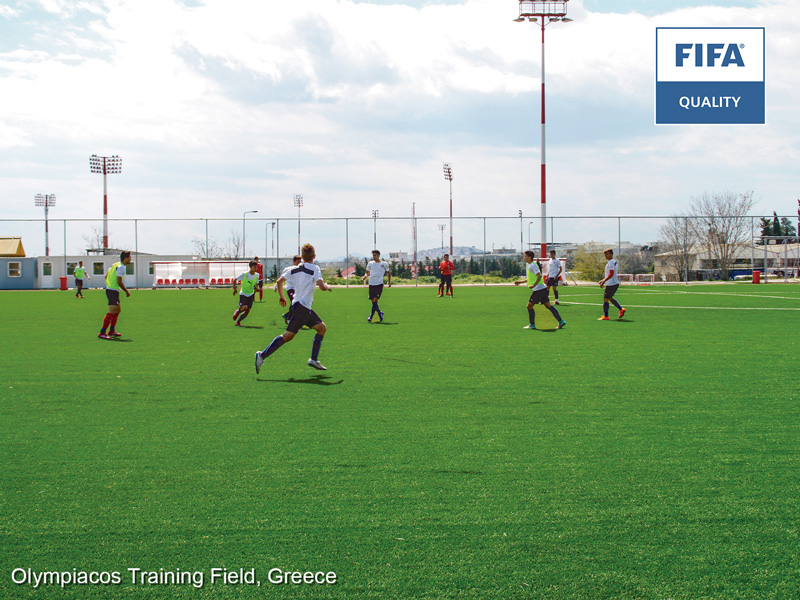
<point x="250" y="281"/>
<point x="115" y="283"/>
<point x="80" y="273"/>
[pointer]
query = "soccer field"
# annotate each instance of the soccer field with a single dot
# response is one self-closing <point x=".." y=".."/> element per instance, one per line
<point x="446" y="452"/>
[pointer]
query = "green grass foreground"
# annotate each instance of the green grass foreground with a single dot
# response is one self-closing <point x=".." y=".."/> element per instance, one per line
<point x="446" y="453"/>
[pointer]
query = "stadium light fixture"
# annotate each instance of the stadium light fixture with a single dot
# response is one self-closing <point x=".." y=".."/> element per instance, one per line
<point x="448" y="175"/>
<point x="543" y="12"/>
<point x="46" y="200"/>
<point x="106" y="165"/>
<point x="298" y="202"/>
<point x="244" y="238"/>
<point x="375" y="229"/>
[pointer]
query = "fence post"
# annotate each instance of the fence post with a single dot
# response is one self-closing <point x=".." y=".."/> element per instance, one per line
<point x="484" y="251"/>
<point x="346" y="252"/>
<point x="136" y="250"/>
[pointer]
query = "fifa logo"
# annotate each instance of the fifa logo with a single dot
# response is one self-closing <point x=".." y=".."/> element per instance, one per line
<point x="732" y="55"/>
<point x="710" y="76"/>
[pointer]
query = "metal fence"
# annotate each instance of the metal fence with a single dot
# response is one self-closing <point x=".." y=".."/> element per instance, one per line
<point x="337" y="240"/>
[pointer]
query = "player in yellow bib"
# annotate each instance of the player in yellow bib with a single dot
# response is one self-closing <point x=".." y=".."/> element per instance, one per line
<point x="80" y="273"/>
<point x="250" y="283"/>
<point x="115" y="283"/>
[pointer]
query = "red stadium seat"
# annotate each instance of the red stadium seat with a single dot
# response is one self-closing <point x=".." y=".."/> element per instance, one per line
<point x="174" y="282"/>
<point x="160" y="282"/>
<point x="180" y="281"/>
<point x="213" y="282"/>
<point x="227" y="281"/>
<point x="194" y="282"/>
<point x="202" y="281"/>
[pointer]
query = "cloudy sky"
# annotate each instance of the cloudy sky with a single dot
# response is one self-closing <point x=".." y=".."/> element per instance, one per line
<point x="223" y="106"/>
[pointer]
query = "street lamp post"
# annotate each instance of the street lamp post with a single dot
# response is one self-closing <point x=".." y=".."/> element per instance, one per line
<point x="105" y="165"/>
<point x="244" y="237"/>
<point x="46" y="200"/>
<point x="448" y="175"/>
<point x="545" y="12"/>
<point x="298" y="202"/>
<point x="374" y="229"/>
<point x="442" y="227"/>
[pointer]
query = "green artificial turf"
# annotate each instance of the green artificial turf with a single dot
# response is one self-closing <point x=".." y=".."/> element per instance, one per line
<point x="446" y="453"/>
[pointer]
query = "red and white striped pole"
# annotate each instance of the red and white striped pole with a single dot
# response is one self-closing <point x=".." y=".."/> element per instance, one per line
<point x="105" y="165"/>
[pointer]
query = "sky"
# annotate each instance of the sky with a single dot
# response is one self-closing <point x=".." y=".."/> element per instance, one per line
<point x="218" y="107"/>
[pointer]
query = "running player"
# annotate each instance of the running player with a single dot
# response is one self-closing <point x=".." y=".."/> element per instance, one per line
<point x="554" y="274"/>
<point x="115" y="283"/>
<point x="250" y="280"/>
<point x="611" y="283"/>
<point x="260" y="271"/>
<point x="305" y="278"/>
<point x="80" y="273"/>
<point x="539" y="296"/>
<point x="376" y="270"/>
<point x="447" y="268"/>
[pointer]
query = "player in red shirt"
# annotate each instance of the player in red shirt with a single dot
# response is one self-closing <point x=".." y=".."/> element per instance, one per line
<point x="260" y="271"/>
<point x="446" y="267"/>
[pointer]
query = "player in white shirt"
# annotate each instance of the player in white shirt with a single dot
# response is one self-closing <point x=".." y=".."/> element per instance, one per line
<point x="296" y="260"/>
<point x="554" y="274"/>
<point x="533" y="280"/>
<point x="376" y="270"/>
<point x="305" y="278"/>
<point x="611" y="283"/>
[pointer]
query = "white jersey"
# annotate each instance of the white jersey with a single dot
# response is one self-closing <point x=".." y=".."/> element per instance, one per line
<point x="377" y="271"/>
<point x="304" y="278"/>
<point x="553" y="267"/>
<point x="533" y="271"/>
<point x="289" y="286"/>
<point x="611" y="265"/>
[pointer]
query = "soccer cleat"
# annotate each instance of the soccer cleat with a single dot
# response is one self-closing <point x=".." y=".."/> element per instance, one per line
<point x="114" y="333"/>
<point x="235" y="314"/>
<point x="562" y="324"/>
<point x="381" y="316"/>
<point x="103" y="336"/>
<point x="603" y="319"/>
<point x="369" y="319"/>
<point x="238" y="324"/>
<point x="316" y="365"/>
<point x="557" y="302"/>
<point x="621" y="312"/>
<point x="259" y="362"/>
<point x="529" y="326"/>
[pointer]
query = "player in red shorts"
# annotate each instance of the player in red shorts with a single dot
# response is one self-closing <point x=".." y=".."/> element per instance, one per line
<point x="260" y="271"/>
<point x="447" y="268"/>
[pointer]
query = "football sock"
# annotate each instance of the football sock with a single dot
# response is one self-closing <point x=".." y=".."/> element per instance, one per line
<point x="555" y="293"/>
<point x="106" y="322"/>
<point x="276" y="343"/>
<point x="605" y="308"/>
<point x="615" y="303"/>
<point x="315" y="347"/>
<point x="242" y="315"/>
<point x="531" y="316"/>
<point x="555" y="313"/>
<point x="113" y="322"/>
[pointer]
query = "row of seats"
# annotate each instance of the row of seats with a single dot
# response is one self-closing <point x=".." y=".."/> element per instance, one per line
<point x="186" y="282"/>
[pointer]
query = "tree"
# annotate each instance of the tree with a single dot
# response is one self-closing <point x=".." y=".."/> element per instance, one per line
<point x="722" y="224"/>
<point x="592" y="265"/>
<point x="234" y="245"/>
<point x="210" y="249"/>
<point x="678" y="241"/>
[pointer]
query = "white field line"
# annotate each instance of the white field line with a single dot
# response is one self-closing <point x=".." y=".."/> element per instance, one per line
<point x="720" y="295"/>
<point x="626" y="305"/>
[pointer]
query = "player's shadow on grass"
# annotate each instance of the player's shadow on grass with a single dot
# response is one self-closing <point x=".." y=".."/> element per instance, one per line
<point x="314" y="380"/>
<point x="119" y="340"/>
<point x="384" y="323"/>
<point x="252" y="327"/>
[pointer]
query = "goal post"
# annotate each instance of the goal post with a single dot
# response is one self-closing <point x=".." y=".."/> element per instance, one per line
<point x="645" y="278"/>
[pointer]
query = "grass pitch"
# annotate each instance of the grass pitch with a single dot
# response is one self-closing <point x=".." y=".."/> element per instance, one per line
<point x="446" y="453"/>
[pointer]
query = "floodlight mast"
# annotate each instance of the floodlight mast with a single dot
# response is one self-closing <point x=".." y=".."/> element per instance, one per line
<point x="105" y="165"/>
<point x="545" y="12"/>
<point x="46" y="200"/>
<point x="298" y="202"/>
<point x="448" y="175"/>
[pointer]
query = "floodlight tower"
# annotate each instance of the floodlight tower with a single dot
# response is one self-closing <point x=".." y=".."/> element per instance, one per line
<point x="448" y="175"/>
<point x="105" y="165"/>
<point x="46" y="200"/>
<point x="375" y="229"/>
<point x="544" y="12"/>
<point x="298" y="202"/>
